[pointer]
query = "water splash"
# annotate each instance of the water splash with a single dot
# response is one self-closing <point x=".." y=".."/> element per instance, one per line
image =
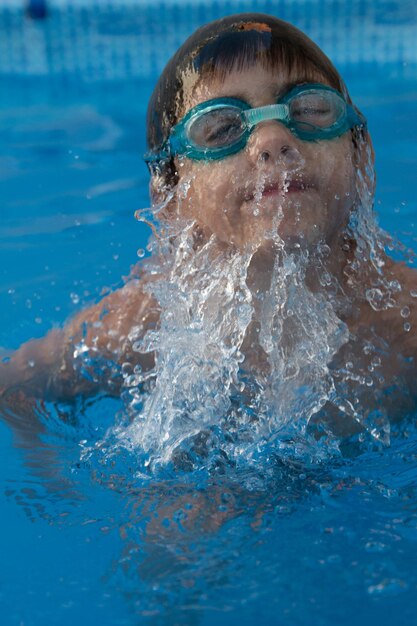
<point x="252" y="344"/>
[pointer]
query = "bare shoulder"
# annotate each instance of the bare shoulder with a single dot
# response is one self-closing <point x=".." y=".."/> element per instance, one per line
<point x="400" y="320"/>
<point x="106" y="331"/>
<point x="113" y="323"/>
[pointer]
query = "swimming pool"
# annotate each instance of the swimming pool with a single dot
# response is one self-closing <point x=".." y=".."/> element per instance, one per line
<point x="293" y="542"/>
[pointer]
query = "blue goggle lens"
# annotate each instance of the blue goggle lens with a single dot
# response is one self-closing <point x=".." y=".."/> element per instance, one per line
<point x="316" y="109"/>
<point x="217" y="128"/>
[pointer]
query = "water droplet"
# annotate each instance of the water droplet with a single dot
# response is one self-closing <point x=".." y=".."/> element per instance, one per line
<point x="74" y="297"/>
<point x="395" y="285"/>
<point x="405" y="311"/>
<point x="375" y="546"/>
<point x="407" y="327"/>
<point x="388" y="587"/>
<point x="141" y="253"/>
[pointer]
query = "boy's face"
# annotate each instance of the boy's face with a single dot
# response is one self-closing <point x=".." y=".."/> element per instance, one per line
<point x="301" y="190"/>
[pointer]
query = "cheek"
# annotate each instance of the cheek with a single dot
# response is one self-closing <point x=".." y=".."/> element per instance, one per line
<point x="206" y="187"/>
<point x="336" y="171"/>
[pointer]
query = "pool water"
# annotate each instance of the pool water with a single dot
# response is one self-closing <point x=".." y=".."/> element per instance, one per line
<point x="292" y="541"/>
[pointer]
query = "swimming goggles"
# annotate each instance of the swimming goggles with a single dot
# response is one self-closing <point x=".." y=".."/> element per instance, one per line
<point x="220" y="127"/>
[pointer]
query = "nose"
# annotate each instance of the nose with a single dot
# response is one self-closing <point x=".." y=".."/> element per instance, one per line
<point x="271" y="143"/>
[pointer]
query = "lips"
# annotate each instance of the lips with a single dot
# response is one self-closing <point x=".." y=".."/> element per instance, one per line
<point x="271" y="188"/>
<point x="292" y="186"/>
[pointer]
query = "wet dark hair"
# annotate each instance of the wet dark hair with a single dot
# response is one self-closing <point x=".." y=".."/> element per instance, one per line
<point x="234" y="42"/>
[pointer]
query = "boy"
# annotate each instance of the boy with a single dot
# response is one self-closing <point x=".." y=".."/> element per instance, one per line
<point x="270" y="278"/>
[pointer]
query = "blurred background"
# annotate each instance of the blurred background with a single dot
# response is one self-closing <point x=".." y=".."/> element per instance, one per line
<point x="115" y="39"/>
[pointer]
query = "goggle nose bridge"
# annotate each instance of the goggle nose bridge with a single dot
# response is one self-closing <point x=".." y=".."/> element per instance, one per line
<point x="265" y="113"/>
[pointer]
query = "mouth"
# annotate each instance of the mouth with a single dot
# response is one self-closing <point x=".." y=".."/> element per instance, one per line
<point x="275" y="188"/>
<point x="296" y="186"/>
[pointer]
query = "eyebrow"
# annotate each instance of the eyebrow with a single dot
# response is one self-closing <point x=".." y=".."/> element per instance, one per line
<point x="288" y="86"/>
<point x="285" y="88"/>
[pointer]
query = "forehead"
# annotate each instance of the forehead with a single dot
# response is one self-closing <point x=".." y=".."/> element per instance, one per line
<point x="257" y="85"/>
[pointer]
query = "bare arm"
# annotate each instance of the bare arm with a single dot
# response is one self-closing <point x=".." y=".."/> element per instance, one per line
<point x="85" y="355"/>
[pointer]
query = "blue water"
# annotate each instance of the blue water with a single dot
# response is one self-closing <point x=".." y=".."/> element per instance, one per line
<point x="290" y="542"/>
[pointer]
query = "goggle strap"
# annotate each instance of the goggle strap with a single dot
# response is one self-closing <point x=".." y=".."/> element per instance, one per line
<point x="269" y="112"/>
<point x="152" y="157"/>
